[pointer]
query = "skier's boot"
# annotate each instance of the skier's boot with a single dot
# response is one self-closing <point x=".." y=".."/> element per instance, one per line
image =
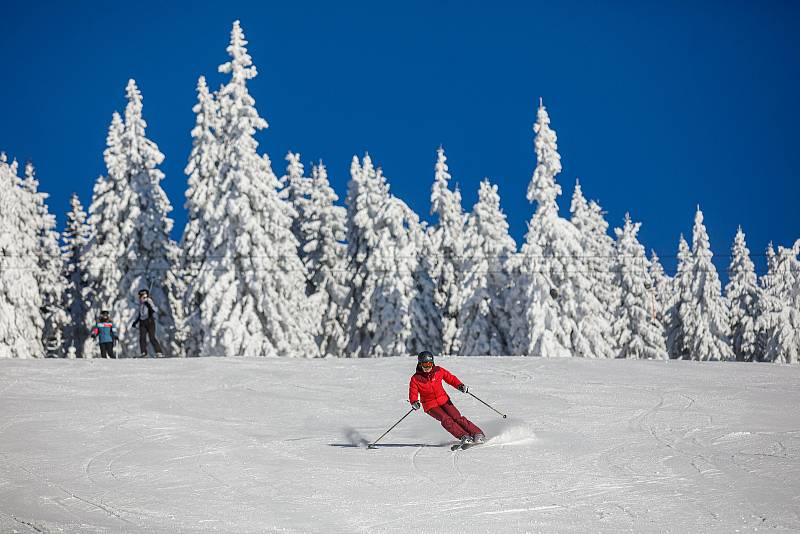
<point x="159" y="355"/>
<point x="478" y="438"/>
<point x="466" y="440"/>
<point x="144" y="355"/>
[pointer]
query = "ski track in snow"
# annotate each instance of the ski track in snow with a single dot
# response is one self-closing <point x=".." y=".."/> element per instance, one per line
<point x="270" y="445"/>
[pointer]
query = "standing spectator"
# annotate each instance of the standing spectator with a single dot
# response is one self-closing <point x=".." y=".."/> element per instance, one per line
<point x="147" y="324"/>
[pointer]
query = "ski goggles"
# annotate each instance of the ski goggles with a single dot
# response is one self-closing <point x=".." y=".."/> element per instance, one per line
<point x="426" y="366"/>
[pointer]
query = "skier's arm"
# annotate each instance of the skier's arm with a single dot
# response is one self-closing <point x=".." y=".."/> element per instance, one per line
<point x="95" y="331"/>
<point x="451" y="379"/>
<point x="151" y="307"/>
<point x="413" y="392"/>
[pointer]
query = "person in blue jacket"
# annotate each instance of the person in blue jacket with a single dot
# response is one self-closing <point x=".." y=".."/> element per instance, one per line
<point x="105" y="332"/>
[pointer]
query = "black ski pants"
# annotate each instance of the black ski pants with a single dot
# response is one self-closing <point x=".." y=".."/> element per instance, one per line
<point x="147" y="328"/>
<point x="107" y="350"/>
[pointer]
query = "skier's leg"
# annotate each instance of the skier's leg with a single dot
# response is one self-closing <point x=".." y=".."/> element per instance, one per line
<point x="450" y="409"/>
<point x="143" y="339"/>
<point x="447" y="422"/>
<point x="151" y="331"/>
<point x="104" y="350"/>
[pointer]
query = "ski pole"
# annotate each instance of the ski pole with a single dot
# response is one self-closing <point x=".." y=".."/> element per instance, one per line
<point x="504" y="415"/>
<point x="372" y="445"/>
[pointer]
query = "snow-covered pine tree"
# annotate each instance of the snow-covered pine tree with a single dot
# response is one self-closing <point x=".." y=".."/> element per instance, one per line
<point x="558" y="242"/>
<point x="742" y="294"/>
<point x="662" y="288"/>
<point x="681" y="296"/>
<point x="447" y="256"/>
<point x="770" y="305"/>
<point x="21" y="322"/>
<point x="638" y="332"/>
<point x="130" y="248"/>
<point x="597" y="262"/>
<point x="152" y="254"/>
<point x="483" y="319"/>
<point x="324" y="253"/>
<point x="74" y="238"/>
<point x="250" y="290"/>
<point x="704" y="318"/>
<point x="779" y="322"/>
<point x="49" y="264"/>
<point x="426" y="320"/>
<point x="202" y="207"/>
<point x="382" y="258"/>
<point x="538" y="327"/>
<point x="297" y="191"/>
<point x="99" y="262"/>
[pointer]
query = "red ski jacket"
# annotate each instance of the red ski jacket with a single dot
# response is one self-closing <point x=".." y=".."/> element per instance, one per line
<point x="427" y="387"/>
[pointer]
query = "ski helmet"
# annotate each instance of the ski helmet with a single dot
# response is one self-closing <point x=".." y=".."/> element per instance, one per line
<point x="424" y="357"/>
<point x="104" y="313"/>
<point x="143" y="292"/>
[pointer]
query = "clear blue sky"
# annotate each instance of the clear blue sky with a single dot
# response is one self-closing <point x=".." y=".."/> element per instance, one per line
<point x="658" y="107"/>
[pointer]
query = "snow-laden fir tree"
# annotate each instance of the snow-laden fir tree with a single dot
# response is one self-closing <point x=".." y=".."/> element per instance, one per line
<point x="483" y="319"/>
<point x="130" y="248"/>
<point x="770" y="304"/>
<point x="324" y="253"/>
<point x="637" y="330"/>
<point x="779" y="321"/>
<point x="306" y="228"/>
<point x="297" y="191"/>
<point x="99" y="262"/>
<point x="704" y="317"/>
<point x="74" y="238"/>
<point x="662" y="288"/>
<point x="537" y="327"/>
<point x="203" y="209"/>
<point x="447" y="255"/>
<point x="742" y="294"/>
<point x="155" y="255"/>
<point x="426" y="319"/>
<point x="49" y="272"/>
<point x="580" y="325"/>
<point x="250" y="290"/>
<point x="597" y="262"/>
<point x="382" y="259"/>
<point x="681" y="296"/>
<point x="21" y="322"/>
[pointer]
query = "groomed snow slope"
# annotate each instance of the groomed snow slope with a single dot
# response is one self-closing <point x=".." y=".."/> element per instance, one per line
<point x="276" y="445"/>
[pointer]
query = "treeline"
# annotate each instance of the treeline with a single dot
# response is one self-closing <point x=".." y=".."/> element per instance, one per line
<point x="273" y="265"/>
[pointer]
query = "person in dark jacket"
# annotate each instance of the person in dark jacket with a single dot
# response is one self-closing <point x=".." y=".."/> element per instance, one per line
<point x="426" y="385"/>
<point x="106" y="333"/>
<point x="146" y="319"/>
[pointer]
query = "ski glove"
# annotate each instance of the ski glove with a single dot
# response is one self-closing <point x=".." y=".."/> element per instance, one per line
<point x="416" y="405"/>
<point x="136" y="322"/>
<point x="463" y="388"/>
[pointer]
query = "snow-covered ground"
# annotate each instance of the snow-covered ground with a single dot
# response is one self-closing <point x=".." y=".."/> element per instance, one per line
<point x="276" y="445"/>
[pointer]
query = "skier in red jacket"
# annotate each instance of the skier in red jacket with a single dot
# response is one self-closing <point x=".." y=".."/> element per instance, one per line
<point x="426" y="384"/>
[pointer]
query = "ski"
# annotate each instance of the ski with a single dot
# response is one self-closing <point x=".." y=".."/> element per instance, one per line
<point x="463" y="446"/>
